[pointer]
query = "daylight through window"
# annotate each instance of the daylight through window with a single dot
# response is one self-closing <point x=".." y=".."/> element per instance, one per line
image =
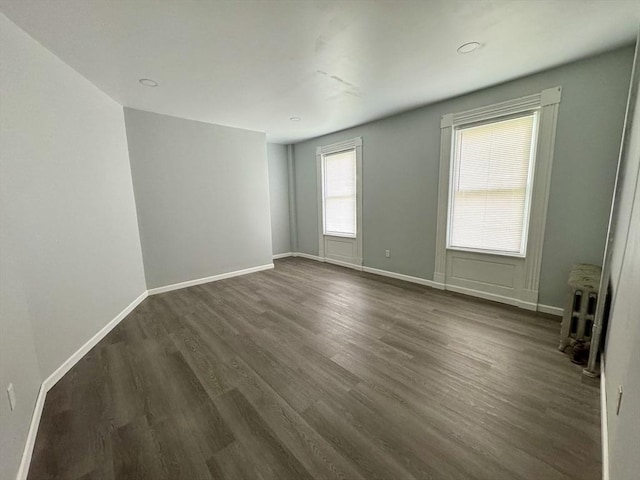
<point x="339" y="193"/>
<point x="492" y="173"/>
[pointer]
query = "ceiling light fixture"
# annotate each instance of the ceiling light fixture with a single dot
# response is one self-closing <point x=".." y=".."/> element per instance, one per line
<point x="468" y="47"/>
<point x="147" y="82"/>
<point x="295" y="119"/>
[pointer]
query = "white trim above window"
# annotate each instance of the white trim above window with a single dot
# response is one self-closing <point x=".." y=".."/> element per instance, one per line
<point x="338" y="147"/>
<point x="512" y="276"/>
<point x="550" y="96"/>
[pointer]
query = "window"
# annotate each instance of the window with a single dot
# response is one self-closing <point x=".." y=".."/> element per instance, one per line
<point x="339" y="193"/>
<point x="491" y="211"/>
<point x="491" y="182"/>
<point x="339" y="176"/>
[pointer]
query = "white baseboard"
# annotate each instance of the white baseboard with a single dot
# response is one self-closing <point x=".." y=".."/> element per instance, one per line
<point x="551" y="310"/>
<point x="339" y="263"/>
<point x="506" y="300"/>
<point x="213" y="278"/>
<point x="52" y="379"/>
<point x="484" y="295"/>
<point x="440" y="286"/>
<point x="604" y="422"/>
<point x="283" y="255"/>
<point x="531" y="306"/>
<point x="27" y="453"/>
<point x="327" y="260"/>
<point x="375" y="271"/>
<point x="310" y="257"/>
<point x="400" y="276"/>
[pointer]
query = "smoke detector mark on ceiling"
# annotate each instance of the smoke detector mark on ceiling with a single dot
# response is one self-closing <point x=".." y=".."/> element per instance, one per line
<point x="147" y="82"/>
<point x="468" y="47"/>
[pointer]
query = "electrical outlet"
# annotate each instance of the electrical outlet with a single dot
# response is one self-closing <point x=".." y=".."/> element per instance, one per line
<point x="387" y="253"/>
<point x="11" y="393"/>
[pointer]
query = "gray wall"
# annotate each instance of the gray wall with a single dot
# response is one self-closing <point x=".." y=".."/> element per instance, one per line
<point x="18" y="358"/>
<point x="202" y="195"/>
<point x="71" y="258"/>
<point x="279" y="195"/>
<point x="623" y="339"/>
<point x="400" y="173"/>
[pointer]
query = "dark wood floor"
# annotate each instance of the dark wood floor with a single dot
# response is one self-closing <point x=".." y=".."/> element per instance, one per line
<point x="311" y="371"/>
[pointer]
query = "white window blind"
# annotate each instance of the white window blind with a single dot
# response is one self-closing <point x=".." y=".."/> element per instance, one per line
<point x="339" y="193"/>
<point x="491" y="185"/>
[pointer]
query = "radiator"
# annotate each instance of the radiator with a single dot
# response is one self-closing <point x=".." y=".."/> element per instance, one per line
<point x="577" y="322"/>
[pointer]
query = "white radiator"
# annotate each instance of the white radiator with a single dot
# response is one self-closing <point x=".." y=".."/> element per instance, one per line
<point x="579" y="313"/>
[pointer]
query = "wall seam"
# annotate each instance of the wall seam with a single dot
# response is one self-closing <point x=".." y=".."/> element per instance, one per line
<point x="293" y="224"/>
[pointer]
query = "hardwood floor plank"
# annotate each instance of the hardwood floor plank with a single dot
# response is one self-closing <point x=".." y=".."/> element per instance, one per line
<point x="136" y="454"/>
<point x="127" y="403"/>
<point x="233" y="463"/>
<point x="359" y="448"/>
<point x="258" y="440"/>
<point x="315" y="453"/>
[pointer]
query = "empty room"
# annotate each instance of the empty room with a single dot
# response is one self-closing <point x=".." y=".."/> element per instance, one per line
<point x="319" y="239"/>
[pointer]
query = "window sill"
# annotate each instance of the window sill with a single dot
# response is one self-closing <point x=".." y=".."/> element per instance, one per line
<point x="342" y="235"/>
<point x="488" y="252"/>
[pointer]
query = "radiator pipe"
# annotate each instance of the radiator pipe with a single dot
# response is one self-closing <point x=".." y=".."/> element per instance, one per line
<point x="605" y="279"/>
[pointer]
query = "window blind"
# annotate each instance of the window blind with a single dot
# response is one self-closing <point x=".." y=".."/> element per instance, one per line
<point x="491" y="185"/>
<point x="339" y="195"/>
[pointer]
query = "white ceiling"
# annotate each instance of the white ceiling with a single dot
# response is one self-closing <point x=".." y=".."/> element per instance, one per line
<point x="255" y="63"/>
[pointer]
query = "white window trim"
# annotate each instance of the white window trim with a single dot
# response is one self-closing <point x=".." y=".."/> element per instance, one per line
<point x="547" y="101"/>
<point x="351" y="144"/>
<point x="528" y="198"/>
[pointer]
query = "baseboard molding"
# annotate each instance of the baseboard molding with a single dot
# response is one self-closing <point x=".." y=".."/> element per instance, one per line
<point x="375" y="271"/>
<point x="440" y="286"/>
<point x="52" y="379"/>
<point x="400" y="276"/>
<point x="213" y="278"/>
<point x="551" y="310"/>
<point x="25" y="462"/>
<point x="604" y="422"/>
<point x="339" y="263"/>
<point x="484" y="295"/>
<point x="310" y="257"/>
<point x="533" y="307"/>
<point x="282" y="255"/>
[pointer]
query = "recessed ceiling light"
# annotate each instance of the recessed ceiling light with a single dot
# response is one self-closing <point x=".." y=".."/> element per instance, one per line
<point x="147" y="82"/>
<point x="295" y="119"/>
<point x="468" y="47"/>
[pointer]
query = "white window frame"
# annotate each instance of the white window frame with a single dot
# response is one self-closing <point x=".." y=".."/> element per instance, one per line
<point x="323" y="191"/>
<point x="355" y="259"/>
<point x="524" y="290"/>
<point x="529" y="189"/>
